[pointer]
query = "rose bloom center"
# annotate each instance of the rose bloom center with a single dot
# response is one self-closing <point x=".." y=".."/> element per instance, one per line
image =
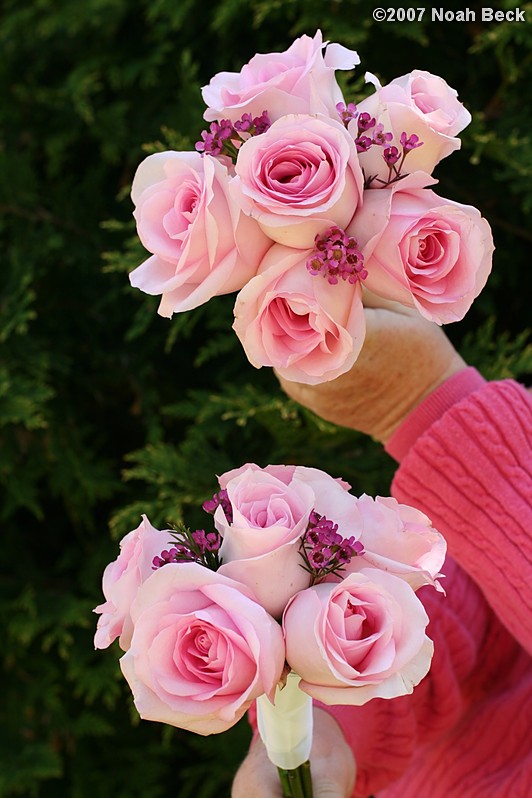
<point x="300" y="175"/>
<point x="201" y="652"/>
<point x="273" y="509"/>
<point x="184" y="210"/>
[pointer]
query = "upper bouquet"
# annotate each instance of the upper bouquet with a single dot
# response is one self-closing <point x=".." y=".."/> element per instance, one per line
<point x="296" y="199"/>
<point x="301" y="591"/>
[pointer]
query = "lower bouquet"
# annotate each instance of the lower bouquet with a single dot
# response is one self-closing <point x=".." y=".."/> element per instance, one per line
<point x="301" y="591"/>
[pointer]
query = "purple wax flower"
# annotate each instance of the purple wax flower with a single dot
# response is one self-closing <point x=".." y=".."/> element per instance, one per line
<point x="219" y="499"/>
<point x="261" y="123"/>
<point x="244" y="124"/>
<point x="172" y="555"/>
<point x="324" y="550"/>
<point x="380" y="137"/>
<point x="365" y="121"/>
<point x="215" y="138"/>
<point x="363" y="143"/>
<point x="206" y="541"/>
<point x="337" y="257"/>
<point x="346" y="113"/>
<point x="391" y="155"/>
<point x="319" y="557"/>
<point x="410" y="143"/>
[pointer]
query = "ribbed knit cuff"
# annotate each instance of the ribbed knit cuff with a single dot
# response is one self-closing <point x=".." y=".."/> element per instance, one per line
<point x="431" y="409"/>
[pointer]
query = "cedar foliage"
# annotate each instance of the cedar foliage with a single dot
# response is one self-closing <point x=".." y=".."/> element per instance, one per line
<point x="107" y="410"/>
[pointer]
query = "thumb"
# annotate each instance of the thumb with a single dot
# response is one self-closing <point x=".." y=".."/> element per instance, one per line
<point x="332" y="761"/>
<point x="328" y="790"/>
<point x="332" y="779"/>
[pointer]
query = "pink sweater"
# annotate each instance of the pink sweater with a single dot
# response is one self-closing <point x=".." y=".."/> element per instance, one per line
<point x="466" y="731"/>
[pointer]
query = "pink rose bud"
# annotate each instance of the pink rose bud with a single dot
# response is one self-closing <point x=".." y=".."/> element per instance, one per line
<point x="122" y="579"/>
<point x="421" y="104"/>
<point x="299" y="80"/>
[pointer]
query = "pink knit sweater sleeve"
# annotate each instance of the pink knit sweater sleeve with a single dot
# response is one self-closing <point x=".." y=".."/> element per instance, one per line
<point x="466" y="461"/>
<point x="470" y="471"/>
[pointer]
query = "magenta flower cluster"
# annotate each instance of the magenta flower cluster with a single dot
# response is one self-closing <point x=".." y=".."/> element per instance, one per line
<point x="365" y="122"/>
<point x="391" y="154"/>
<point x="324" y="550"/>
<point x="167" y="556"/>
<point x="198" y="546"/>
<point x="337" y="256"/>
<point x="219" y="499"/>
<point x="226" y="137"/>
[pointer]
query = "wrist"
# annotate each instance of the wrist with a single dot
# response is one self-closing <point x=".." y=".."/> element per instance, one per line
<point x="457" y="387"/>
<point x="412" y="395"/>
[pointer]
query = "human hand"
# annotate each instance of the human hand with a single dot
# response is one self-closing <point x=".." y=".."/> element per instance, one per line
<point x="331" y="761"/>
<point x="404" y="358"/>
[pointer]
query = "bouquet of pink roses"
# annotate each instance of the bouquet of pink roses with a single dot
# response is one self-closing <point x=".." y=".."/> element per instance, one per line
<point x="300" y="591"/>
<point x="296" y="199"/>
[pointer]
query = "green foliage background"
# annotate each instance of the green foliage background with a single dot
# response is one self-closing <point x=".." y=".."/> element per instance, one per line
<point x="107" y="410"/>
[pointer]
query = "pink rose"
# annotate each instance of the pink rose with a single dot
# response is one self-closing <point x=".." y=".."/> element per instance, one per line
<point x="299" y="178"/>
<point x="307" y="329"/>
<point x="418" y="103"/>
<point x="202" y="649"/>
<point x="332" y="500"/>
<point x="260" y="546"/>
<point x="270" y="510"/>
<point x="202" y="244"/>
<point x="121" y="580"/>
<point x="270" y="513"/>
<point x="300" y="80"/>
<point x="423" y="251"/>
<point x="331" y="494"/>
<point x="399" y="539"/>
<point x="361" y="639"/>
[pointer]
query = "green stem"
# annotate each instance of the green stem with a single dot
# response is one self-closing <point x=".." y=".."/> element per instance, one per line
<point x="296" y="783"/>
<point x="306" y="779"/>
<point x="285" y="784"/>
<point x="294" y="777"/>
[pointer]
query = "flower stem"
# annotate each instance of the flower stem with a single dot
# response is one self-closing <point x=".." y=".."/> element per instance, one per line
<point x="285" y="783"/>
<point x="306" y="779"/>
<point x="296" y="783"/>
